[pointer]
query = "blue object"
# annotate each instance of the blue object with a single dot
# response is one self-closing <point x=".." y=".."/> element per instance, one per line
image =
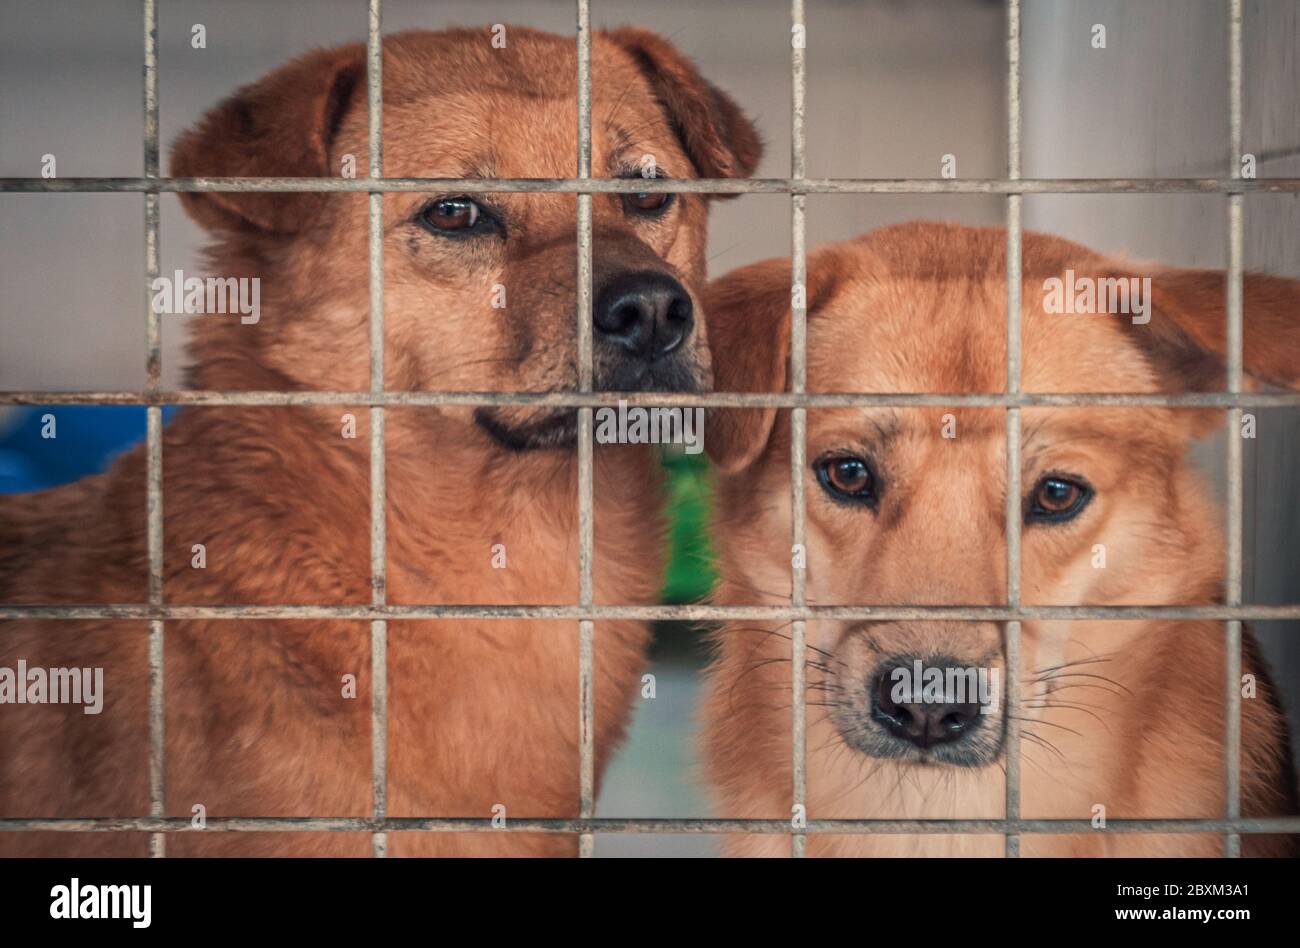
<point x="87" y="439"/>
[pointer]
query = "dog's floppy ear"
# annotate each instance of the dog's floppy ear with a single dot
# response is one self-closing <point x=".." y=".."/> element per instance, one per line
<point x="748" y="317"/>
<point x="720" y="141"/>
<point x="280" y="126"/>
<point x="1186" y="338"/>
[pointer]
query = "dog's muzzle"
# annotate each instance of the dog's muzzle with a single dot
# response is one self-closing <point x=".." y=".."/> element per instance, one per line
<point x="642" y="322"/>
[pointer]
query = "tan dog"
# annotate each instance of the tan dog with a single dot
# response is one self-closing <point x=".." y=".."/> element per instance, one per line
<point x="906" y="506"/>
<point x="261" y="717"/>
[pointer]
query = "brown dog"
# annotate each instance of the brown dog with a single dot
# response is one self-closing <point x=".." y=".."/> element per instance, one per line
<point x="906" y="506"/>
<point x="272" y="718"/>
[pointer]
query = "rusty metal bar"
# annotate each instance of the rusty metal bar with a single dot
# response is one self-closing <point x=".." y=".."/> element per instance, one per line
<point x="255" y="824"/>
<point x="672" y="186"/>
<point x="378" y="482"/>
<point x="586" y="629"/>
<point x="153" y="436"/>
<point x="798" y="434"/>
<point x="673" y="399"/>
<point x="1232" y="591"/>
<point x="683" y="613"/>
<point x="1012" y="492"/>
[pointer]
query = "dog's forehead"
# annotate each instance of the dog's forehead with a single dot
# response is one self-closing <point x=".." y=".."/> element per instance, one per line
<point x="925" y="324"/>
<point x="1080" y="352"/>
<point x="892" y="332"/>
<point x="457" y="107"/>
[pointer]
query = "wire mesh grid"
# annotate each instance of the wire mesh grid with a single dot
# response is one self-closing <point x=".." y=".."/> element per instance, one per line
<point x="1232" y="613"/>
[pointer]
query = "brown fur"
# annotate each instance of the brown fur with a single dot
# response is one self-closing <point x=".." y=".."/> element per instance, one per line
<point x="480" y="712"/>
<point x="1137" y="725"/>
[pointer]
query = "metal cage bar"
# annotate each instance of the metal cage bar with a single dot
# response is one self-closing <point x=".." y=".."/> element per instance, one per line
<point x="456" y="824"/>
<point x="1233" y="304"/>
<point x="157" y="612"/>
<point x="153" y="436"/>
<point x="1011" y="739"/>
<point x="586" y="446"/>
<point x="798" y="434"/>
<point x="681" y="400"/>
<point x="378" y="480"/>
<point x="681" y="613"/>
<point x="672" y="186"/>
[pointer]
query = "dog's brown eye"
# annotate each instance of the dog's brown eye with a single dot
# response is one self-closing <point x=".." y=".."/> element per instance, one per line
<point x="646" y="202"/>
<point x="846" y="478"/>
<point x="1056" y="499"/>
<point x="451" y="214"/>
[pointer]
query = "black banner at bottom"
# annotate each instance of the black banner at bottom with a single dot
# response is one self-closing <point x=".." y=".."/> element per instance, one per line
<point x="334" y="896"/>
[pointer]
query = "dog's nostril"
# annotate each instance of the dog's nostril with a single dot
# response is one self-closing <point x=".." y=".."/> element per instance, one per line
<point x="959" y="718"/>
<point x="679" y="311"/>
<point x="645" y="314"/>
<point x="621" y="318"/>
<point x="884" y="695"/>
<point x="677" y="324"/>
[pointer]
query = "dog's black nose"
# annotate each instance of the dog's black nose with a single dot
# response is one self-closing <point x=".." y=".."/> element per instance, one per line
<point x="646" y="314"/>
<point x="902" y="709"/>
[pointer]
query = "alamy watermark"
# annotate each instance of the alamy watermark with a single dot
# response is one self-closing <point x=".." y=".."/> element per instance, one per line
<point x="1114" y="296"/>
<point x="78" y="900"/>
<point x="35" y="685"/>
<point x="637" y="425"/>
<point x="180" y="294"/>
<point x="937" y="684"/>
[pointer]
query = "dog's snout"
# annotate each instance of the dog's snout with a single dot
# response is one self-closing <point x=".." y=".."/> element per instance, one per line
<point x="907" y="712"/>
<point x="645" y="314"/>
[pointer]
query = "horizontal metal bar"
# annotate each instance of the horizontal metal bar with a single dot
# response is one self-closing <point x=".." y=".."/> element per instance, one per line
<point x="682" y="613"/>
<point x="254" y="824"/>
<point x="673" y="399"/>
<point x="668" y="185"/>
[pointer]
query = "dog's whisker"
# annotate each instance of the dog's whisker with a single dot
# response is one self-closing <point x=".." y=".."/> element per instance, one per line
<point x="1070" y="675"/>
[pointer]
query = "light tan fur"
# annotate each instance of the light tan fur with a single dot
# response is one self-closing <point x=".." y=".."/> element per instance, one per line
<point x="481" y="712"/>
<point x="1128" y="714"/>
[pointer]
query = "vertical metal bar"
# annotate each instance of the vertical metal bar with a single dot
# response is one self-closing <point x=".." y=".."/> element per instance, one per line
<point x="798" y="426"/>
<point x="586" y="629"/>
<point x="153" y="414"/>
<point x="1232" y="629"/>
<point x="153" y="331"/>
<point x="378" y="485"/>
<point x="1012" y="699"/>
